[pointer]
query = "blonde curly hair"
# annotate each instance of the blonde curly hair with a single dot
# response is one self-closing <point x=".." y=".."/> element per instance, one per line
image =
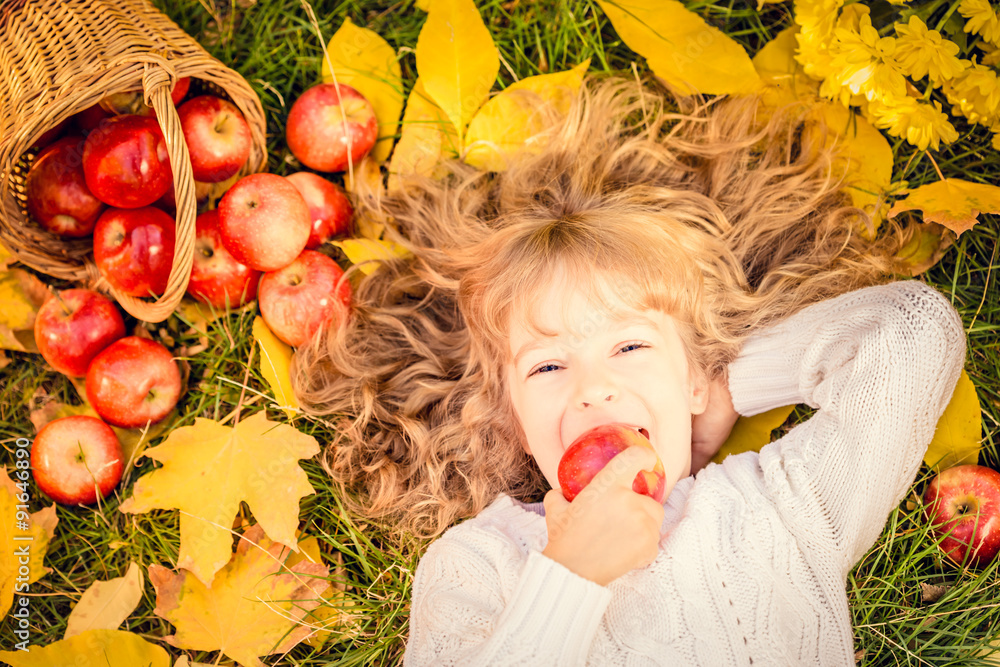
<point x="705" y="210"/>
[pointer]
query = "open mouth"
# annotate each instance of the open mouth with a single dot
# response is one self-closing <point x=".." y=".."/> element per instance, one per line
<point x="641" y="431"/>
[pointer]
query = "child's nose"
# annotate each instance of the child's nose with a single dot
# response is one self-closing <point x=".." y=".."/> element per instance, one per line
<point x="595" y="387"/>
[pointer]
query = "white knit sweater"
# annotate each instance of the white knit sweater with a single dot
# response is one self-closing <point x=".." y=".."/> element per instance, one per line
<point x="754" y="552"/>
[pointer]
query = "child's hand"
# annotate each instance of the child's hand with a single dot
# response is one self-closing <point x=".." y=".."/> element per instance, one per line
<point x="710" y="429"/>
<point x="608" y="529"/>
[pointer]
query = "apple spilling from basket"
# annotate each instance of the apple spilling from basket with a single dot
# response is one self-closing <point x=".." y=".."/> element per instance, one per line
<point x="111" y="178"/>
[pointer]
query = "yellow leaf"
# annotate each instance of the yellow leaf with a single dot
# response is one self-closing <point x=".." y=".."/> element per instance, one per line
<point x="928" y="245"/>
<point x="332" y="612"/>
<point x="680" y="47"/>
<point x="21" y="294"/>
<point x="959" y="431"/>
<point x="6" y="258"/>
<point x="252" y="608"/>
<point x="275" y="366"/>
<point x="952" y="202"/>
<point x="510" y="121"/>
<point x="457" y="60"/>
<point x="751" y="433"/>
<point x="107" y="648"/>
<point x="784" y="78"/>
<point x="365" y="179"/>
<point x="367" y="253"/>
<point x="208" y="469"/>
<point x="363" y="60"/>
<point x="106" y="604"/>
<point x="24" y="540"/>
<point x="426" y="138"/>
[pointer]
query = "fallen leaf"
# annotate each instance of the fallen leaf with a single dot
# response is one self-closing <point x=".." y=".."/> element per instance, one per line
<point x="929" y="244"/>
<point x="333" y="610"/>
<point x="252" y="608"/>
<point x="361" y="59"/>
<point x="183" y="662"/>
<point x="426" y="139"/>
<point x="106" y="604"/>
<point x="208" y="469"/>
<point x="107" y="648"/>
<point x="751" y="433"/>
<point x="365" y="179"/>
<point x="457" y="60"/>
<point x="21" y="295"/>
<point x="952" y="202"/>
<point x="24" y="536"/>
<point x="958" y="437"/>
<point x="931" y="593"/>
<point x="4" y="360"/>
<point x="275" y="366"/>
<point x="784" y="79"/>
<point x="681" y="48"/>
<point x="366" y="253"/>
<point x="513" y="118"/>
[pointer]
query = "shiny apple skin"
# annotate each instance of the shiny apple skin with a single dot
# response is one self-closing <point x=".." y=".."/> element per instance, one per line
<point x="963" y="503"/>
<point x="75" y="460"/>
<point x="180" y="89"/>
<point x="317" y="134"/>
<point x="264" y="222"/>
<point x="51" y="134"/>
<point x="217" y="136"/>
<point x="589" y="453"/>
<point x="300" y="298"/>
<point x="57" y="192"/>
<point x="86" y="121"/>
<point x="125" y="162"/>
<point x="134" y="249"/>
<point x="216" y="277"/>
<point x="70" y="340"/>
<point x="329" y="208"/>
<point x="132" y="381"/>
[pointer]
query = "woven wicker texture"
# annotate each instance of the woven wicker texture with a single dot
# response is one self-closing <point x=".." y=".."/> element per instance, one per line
<point x="59" y="57"/>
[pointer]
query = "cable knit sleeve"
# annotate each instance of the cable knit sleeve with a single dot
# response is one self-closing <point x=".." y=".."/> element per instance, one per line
<point x="880" y="365"/>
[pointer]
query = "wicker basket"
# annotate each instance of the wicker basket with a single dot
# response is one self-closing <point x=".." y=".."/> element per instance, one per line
<point x="58" y="57"/>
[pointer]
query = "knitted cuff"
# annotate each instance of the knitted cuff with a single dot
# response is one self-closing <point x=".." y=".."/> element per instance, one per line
<point x="765" y="375"/>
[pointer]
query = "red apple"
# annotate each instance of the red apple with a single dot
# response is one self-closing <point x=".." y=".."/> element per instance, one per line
<point x="217" y="136"/>
<point x="300" y="298"/>
<point x="963" y="504"/>
<point x="73" y="326"/>
<point x="57" y="193"/>
<point x="327" y="128"/>
<point x="589" y="453"/>
<point x="88" y="119"/>
<point x="264" y="221"/>
<point x="76" y="460"/>
<point x="133" y="381"/>
<point x="134" y="248"/>
<point x="216" y="278"/>
<point x="125" y="162"/>
<point x="51" y="134"/>
<point x="329" y="208"/>
<point x="180" y="89"/>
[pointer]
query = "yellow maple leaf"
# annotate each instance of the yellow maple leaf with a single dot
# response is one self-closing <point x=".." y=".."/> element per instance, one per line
<point x="360" y="58"/>
<point x="427" y="137"/>
<point x="690" y="55"/>
<point x="106" y="604"/>
<point x="784" y="79"/>
<point x="513" y="118"/>
<point x="929" y="244"/>
<point x="367" y="253"/>
<point x="952" y="202"/>
<point x="21" y="295"/>
<point x="208" y="469"/>
<point x="108" y="648"/>
<point x="751" y="433"/>
<point x="24" y="539"/>
<point x="333" y="611"/>
<point x="252" y="608"/>
<point x="275" y="366"/>
<point x="457" y="60"/>
<point x="958" y="436"/>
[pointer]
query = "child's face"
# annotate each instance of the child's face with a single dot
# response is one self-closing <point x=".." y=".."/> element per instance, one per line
<point x="599" y="368"/>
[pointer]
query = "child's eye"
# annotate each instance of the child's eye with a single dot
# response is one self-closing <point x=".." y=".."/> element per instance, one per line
<point x="629" y="347"/>
<point x="544" y="368"/>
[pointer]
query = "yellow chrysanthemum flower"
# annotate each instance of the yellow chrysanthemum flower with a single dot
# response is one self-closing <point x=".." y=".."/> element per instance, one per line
<point x="975" y="94"/>
<point x="991" y="55"/>
<point x="981" y="19"/>
<point x="920" y="52"/>
<point x="919" y="123"/>
<point x="817" y="20"/>
<point x="865" y="63"/>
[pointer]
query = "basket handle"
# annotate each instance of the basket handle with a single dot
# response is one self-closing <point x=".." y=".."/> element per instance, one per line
<point x="157" y="80"/>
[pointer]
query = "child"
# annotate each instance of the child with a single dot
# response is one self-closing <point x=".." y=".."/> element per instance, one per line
<point x="666" y="271"/>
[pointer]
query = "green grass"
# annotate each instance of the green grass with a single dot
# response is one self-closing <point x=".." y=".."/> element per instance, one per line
<point x="272" y="44"/>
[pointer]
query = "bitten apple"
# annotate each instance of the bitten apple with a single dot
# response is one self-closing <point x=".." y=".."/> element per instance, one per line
<point x="327" y="129"/>
<point x="57" y="193"/>
<point x="300" y="298"/>
<point x="264" y="222"/>
<point x="217" y="137"/>
<point x="73" y="326"/>
<point x="589" y="453"/>
<point x="76" y="460"/>
<point x="963" y="504"/>
<point x="125" y="162"/>
<point x="134" y="249"/>
<point x="216" y="277"/>
<point x="329" y="207"/>
<point x="133" y="381"/>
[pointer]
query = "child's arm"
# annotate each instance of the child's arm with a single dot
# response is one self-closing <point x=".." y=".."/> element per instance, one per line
<point x="880" y="365"/>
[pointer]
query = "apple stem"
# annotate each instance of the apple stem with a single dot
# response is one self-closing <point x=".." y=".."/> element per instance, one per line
<point x="66" y="308"/>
